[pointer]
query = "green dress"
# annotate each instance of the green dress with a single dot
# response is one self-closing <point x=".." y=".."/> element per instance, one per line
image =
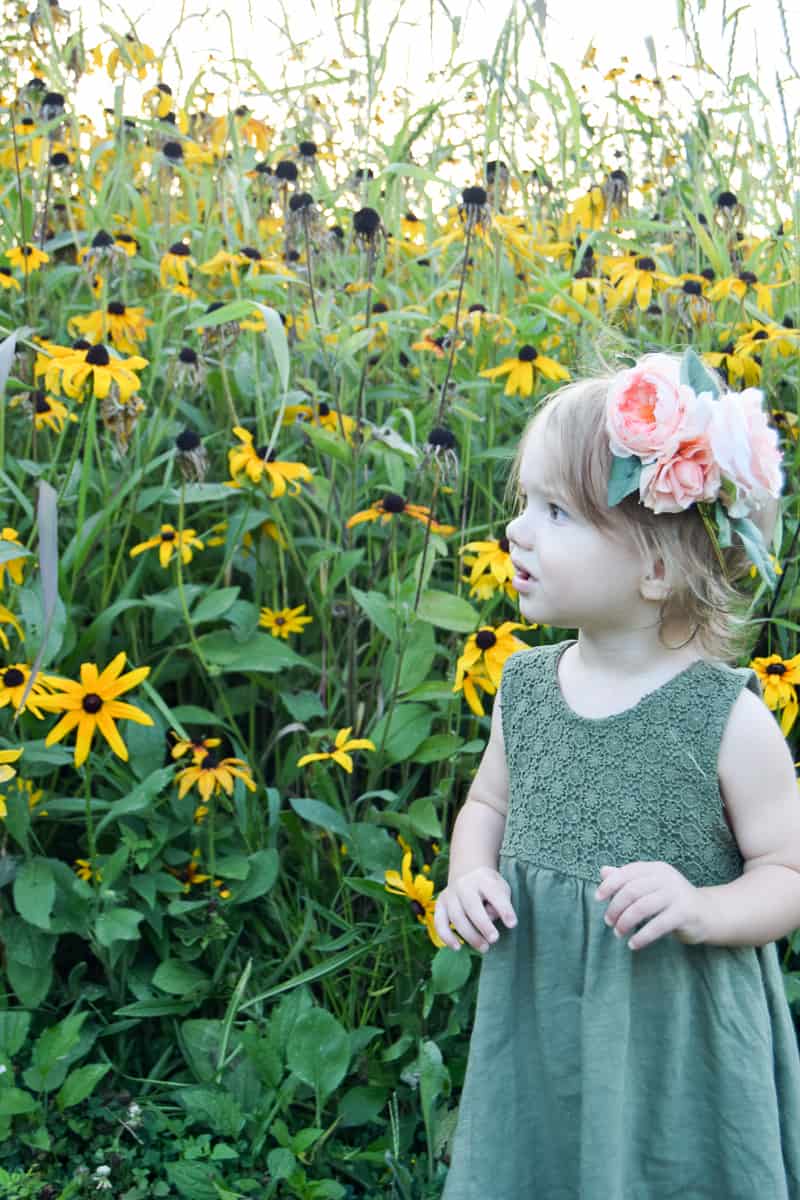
<point x="596" y="1072"/>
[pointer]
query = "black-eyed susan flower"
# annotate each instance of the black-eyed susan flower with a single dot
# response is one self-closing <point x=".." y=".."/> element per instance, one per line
<point x="635" y="276"/>
<point x="84" y="870"/>
<point x="46" y="410"/>
<point x="322" y="415"/>
<point x="779" y="678"/>
<point x="339" y="753"/>
<point x="471" y="682"/>
<point x="21" y="787"/>
<point x="418" y="890"/>
<point x="98" y="367"/>
<point x="266" y="529"/>
<point x="123" y="325"/>
<point x="736" y="368"/>
<point x="158" y="100"/>
<point x="132" y="54"/>
<point x="27" y="258"/>
<point x="190" y="875"/>
<point x="257" y="461"/>
<point x="175" y="265"/>
<point x="391" y="505"/>
<point x="488" y="649"/>
<point x="92" y="704"/>
<point x="13" y="681"/>
<point x="170" y="541"/>
<point x="8" y="618"/>
<point x="490" y="567"/>
<point x="7" y="280"/>
<point x="6" y="771"/>
<point x="212" y="775"/>
<point x="740" y="285"/>
<point x="14" y="566"/>
<point x="199" y="748"/>
<point x="282" y="622"/>
<point x="776" y="566"/>
<point x="224" y="263"/>
<point x="760" y="338"/>
<point x="523" y="370"/>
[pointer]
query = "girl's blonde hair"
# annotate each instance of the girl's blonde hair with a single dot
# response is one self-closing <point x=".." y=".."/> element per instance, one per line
<point x="573" y="421"/>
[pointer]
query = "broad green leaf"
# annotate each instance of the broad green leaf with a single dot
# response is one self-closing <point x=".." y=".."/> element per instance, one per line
<point x="262" y="652"/>
<point x="35" y="891"/>
<point x="200" y="1041"/>
<point x="447" y="611"/>
<point x="697" y="375"/>
<point x="359" y="1105"/>
<point x="437" y="747"/>
<point x="119" y="924"/>
<point x="408" y="725"/>
<point x="754" y="544"/>
<point x="276" y="336"/>
<point x="140" y="799"/>
<point x="450" y="970"/>
<point x="319" y="813"/>
<point x="424" y="818"/>
<point x="214" y="604"/>
<point x="624" y="478"/>
<point x="379" y="610"/>
<point x="319" y="1051"/>
<point x="51" y="1049"/>
<point x="10" y="550"/>
<point x="328" y="443"/>
<point x="14" y="1026"/>
<point x="214" y="1109"/>
<point x="179" y="978"/>
<point x="260" y="878"/>
<point x="194" y="1180"/>
<point x="14" y="1102"/>
<point x="80" y="1083"/>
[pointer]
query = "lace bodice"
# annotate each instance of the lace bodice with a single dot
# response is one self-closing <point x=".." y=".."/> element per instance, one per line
<point x="639" y="785"/>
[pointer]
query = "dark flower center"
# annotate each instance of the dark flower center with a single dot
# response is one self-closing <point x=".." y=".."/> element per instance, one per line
<point x="165" y="88"/>
<point x="13" y="677"/>
<point x="127" y="238"/>
<point x="5" y="271"/>
<point x="188" y="355"/>
<point x="40" y="402"/>
<point x="81" y="344"/>
<point x="91" y="702"/>
<point x="280" y="620"/>
<point x="98" y="356"/>
<point x="307" y="149"/>
<point x="503" y="544"/>
<point x="692" y="288"/>
<point x="266" y="454"/>
<point x="748" y="277"/>
<point x="788" y="321"/>
<point x="180" y="248"/>
<point x="286" y="171"/>
<point x="363" y="173"/>
<point x="59" y="159"/>
<point x="474" y="196"/>
<point x="300" y="200"/>
<point x="527" y="354"/>
<point x="477" y="308"/>
<point x="726" y="200"/>
<point x="210" y="762"/>
<point x="776" y="669"/>
<point x="26" y="250"/>
<point x="251" y="253"/>
<point x="439" y="436"/>
<point x="366" y="222"/>
<point x="412" y="217"/>
<point x="645" y="264"/>
<point x="173" y="150"/>
<point x="760" y="335"/>
<point x="263" y="168"/>
<point x="187" y="441"/>
<point x="380" y="306"/>
<point x="709" y="273"/>
<point x="213" y="306"/>
<point x="293" y="256"/>
<point x="324" y="409"/>
<point x="492" y="168"/>
<point x="102" y="239"/>
<point x="618" y="175"/>
<point x="168" y="535"/>
<point x="417" y="908"/>
<point x="728" y="348"/>
<point x="116" y="308"/>
<point x="392" y="503"/>
<point x="485" y="639"/>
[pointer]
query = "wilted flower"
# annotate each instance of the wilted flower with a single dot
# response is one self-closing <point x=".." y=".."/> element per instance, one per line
<point x="474" y="208"/>
<point x="192" y="456"/>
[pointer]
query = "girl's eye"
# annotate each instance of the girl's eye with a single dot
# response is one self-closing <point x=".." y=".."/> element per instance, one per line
<point x="554" y="510"/>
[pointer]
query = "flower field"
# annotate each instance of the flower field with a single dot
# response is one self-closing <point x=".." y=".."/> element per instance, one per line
<point x="264" y="366"/>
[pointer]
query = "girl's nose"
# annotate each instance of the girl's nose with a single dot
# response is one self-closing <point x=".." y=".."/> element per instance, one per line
<point x="512" y="530"/>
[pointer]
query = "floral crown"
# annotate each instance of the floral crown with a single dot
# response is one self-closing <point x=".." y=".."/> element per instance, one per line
<point x="678" y="441"/>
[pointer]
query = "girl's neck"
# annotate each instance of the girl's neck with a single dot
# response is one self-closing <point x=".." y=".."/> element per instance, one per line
<point x="637" y="652"/>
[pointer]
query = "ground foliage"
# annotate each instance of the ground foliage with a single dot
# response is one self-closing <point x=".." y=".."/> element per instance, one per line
<point x="253" y="453"/>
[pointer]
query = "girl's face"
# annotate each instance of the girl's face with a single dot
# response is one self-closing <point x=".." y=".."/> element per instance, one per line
<point x="569" y="573"/>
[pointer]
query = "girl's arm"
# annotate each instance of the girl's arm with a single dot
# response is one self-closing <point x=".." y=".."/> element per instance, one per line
<point x="758" y="784"/>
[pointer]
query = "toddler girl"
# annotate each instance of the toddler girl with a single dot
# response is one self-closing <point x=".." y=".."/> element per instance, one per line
<point x="634" y="822"/>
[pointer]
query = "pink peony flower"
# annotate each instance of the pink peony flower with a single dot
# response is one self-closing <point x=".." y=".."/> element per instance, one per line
<point x="746" y="448"/>
<point x="671" y="484"/>
<point x="649" y="411"/>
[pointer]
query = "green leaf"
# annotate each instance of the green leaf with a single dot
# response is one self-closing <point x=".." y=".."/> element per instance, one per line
<point x="14" y="1102"/>
<point x="212" y="606"/>
<point x="200" y="1041"/>
<point x="29" y="953"/>
<point x="14" y="1026"/>
<point x="319" y="1051"/>
<point x="217" y="1110"/>
<point x="119" y="924"/>
<point x="35" y="891"/>
<point x="420" y="650"/>
<point x="156" y="1008"/>
<point x="319" y="813"/>
<point x="450" y="970"/>
<point x="424" y="818"/>
<point x="408" y="726"/>
<point x="10" y="550"/>
<point x="80" y="1083"/>
<point x="260" y="878"/>
<point x="379" y="610"/>
<point x="624" y="478"/>
<point x="328" y="443"/>
<point x="437" y="747"/>
<point x="723" y="525"/>
<point x="179" y="978"/>
<point x="51" y="1050"/>
<point x="447" y="611"/>
<point x="194" y="1180"/>
<point x="696" y="374"/>
<point x="237" y="310"/>
<point x="262" y="652"/>
<point x="302" y="706"/>
<point x="276" y="336"/>
<point x="754" y="544"/>
<point x="359" y="1105"/>
<point x="140" y="799"/>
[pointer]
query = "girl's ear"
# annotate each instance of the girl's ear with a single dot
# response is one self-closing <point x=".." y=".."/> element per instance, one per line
<point x="654" y="584"/>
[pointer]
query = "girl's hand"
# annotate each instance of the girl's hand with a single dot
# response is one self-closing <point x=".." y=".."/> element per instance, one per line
<point x="652" y="889"/>
<point x="472" y="903"/>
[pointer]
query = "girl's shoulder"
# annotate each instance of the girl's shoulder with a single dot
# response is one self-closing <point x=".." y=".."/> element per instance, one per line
<point x="736" y="678"/>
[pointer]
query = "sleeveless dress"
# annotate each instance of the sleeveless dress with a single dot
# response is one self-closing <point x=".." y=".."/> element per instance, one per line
<point x="595" y="1072"/>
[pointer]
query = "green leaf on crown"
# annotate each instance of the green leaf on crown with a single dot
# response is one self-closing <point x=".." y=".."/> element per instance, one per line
<point x="697" y="375"/>
<point x="755" y="546"/>
<point x="624" y="478"/>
